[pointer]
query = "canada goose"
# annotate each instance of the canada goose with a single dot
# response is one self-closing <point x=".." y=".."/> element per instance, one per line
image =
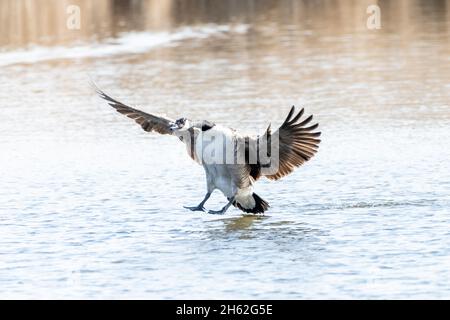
<point x="273" y="155"/>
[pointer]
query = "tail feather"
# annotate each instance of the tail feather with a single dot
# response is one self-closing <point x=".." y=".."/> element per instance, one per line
<point x="260" y="205"/>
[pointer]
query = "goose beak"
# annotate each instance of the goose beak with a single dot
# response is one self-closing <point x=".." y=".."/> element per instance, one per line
<point x="173" y="127"/>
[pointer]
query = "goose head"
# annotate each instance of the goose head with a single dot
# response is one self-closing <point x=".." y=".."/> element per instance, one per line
<point x="181" y="124"/>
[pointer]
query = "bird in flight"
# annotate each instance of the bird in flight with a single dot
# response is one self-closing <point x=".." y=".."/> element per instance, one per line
<point x="234" y="162"/>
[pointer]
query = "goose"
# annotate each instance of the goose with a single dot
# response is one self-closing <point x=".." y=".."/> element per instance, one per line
<point x="217" y="148"/>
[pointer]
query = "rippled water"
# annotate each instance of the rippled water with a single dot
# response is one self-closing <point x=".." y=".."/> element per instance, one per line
<point x="91" y="206"/>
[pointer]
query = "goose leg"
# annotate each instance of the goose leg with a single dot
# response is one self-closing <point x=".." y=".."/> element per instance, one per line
<point x="201" y="204"/>
<point x="224" y="209"/>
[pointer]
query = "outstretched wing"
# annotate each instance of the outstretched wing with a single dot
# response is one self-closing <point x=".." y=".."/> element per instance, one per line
<point x="147" y="121"/>
<point x="295" y="143"/>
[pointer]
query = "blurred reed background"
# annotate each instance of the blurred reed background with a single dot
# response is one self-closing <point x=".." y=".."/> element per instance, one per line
<point x="24" y="22"/>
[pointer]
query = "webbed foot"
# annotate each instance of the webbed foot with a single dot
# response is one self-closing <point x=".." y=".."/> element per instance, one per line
<point x="196" y="208"/>
<point x="216" y="211"/>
